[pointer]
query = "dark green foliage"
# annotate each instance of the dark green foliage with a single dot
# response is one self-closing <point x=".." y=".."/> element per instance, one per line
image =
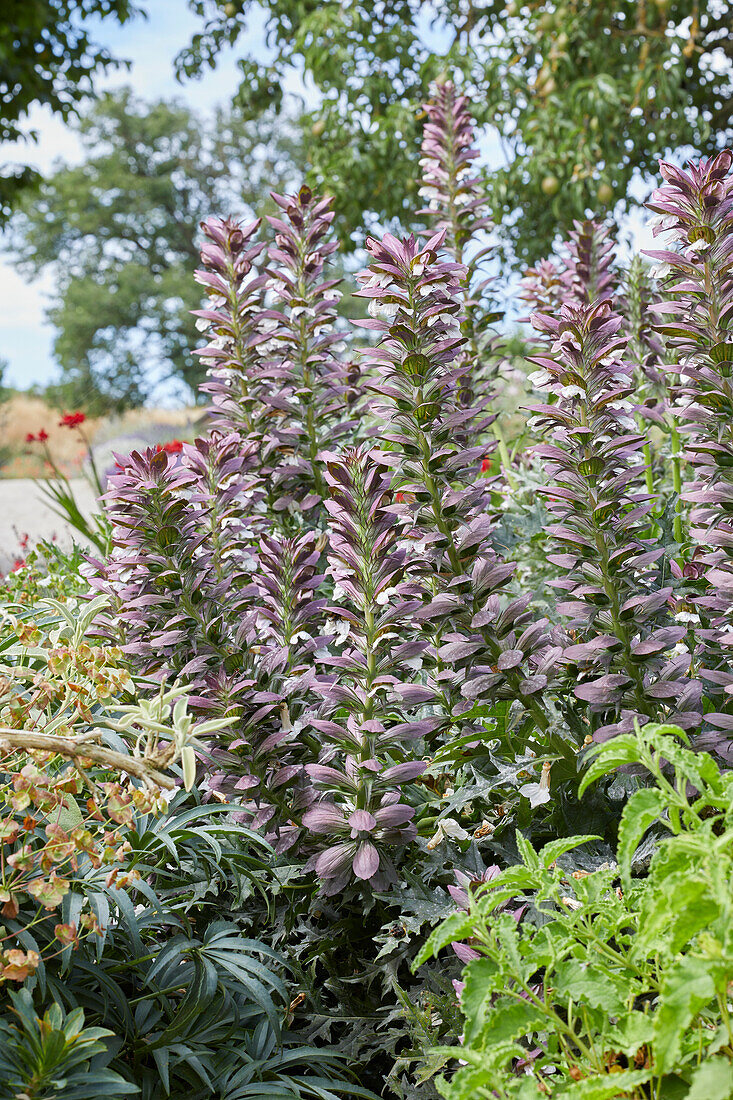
<point x="47" y="57"/>
<point x="583" y="96"/>
<point x="54" y="1055"/>
<point x="184" y="1003"/>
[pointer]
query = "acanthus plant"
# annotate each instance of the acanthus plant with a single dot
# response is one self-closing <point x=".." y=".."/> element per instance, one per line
<point x="274" y="357"/>
<point x="586" y="271"/>
<point x="487" y="648"/>
<point x="235" y="289"/>
<point x="236" y="598"/>
<point x="367" y="754"/>
<point x="619" y="604"/>
<point x="202" y="592"/>
<point x="349" y="610"/>
<point x="582" y="273"/>
<point x="458" y="205"/>
<point x="695" y="213"/>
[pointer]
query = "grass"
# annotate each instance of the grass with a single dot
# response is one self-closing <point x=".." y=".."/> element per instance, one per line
<point x="23" y="414"/>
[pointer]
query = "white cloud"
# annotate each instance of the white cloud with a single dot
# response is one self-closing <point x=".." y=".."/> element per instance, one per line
<point x="22" y="302"/>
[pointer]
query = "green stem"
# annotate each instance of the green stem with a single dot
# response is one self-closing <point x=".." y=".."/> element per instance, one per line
<point x="677" y="482"/>
<point x="506" y="462"/>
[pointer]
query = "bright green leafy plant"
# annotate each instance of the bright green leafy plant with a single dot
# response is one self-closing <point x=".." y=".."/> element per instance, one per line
<point x="609" y="984"/>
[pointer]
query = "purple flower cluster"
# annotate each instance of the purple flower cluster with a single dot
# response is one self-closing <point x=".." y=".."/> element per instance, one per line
<point x="367" y="753"/>
<point x="617" y="604"/>
<point x="350" y="609"/>
<point x="695" y="215"/>
<point x="457" y="206"/>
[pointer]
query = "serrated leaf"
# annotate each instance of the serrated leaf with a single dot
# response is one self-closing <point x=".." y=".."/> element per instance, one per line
<point x="482" y="978"/>
<point x="527" y="852"/>
<point x="507" y="1021"/>
<point x="623" y="749"/>
<point x="641" y="811"/>
<point x="457" y="927"/>
<point x="686" y="988"/>
<point x="673" y="911"/>
<point x="556" y="848"/>
<point x="577" y="981"/>
<point x="609" y="1087"/>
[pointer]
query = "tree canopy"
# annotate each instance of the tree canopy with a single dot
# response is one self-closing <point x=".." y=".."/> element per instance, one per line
<point x="119" y="232"/>
<point x="47" y="58"/>
<point x="583" y="94"/>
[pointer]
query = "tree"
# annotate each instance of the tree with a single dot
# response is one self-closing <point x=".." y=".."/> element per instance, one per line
<point x="47" y="58"/>
<point x="119" y="232"/>
<point x="583" y="93"/>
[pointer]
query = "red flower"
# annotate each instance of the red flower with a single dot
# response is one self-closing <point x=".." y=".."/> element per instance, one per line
<point x="485" y="465"/>
<point x="72" y="420"/>
<point x="17" y="564"/>
<point x="30" y="438"/>
<point x="399" y="497"/>
<point x="173" y="448"/>
<point x="42" y="435"/>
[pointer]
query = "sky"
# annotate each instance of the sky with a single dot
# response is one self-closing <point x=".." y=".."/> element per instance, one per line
<point x="150" y="44"/>
<point x="25" y="337"/>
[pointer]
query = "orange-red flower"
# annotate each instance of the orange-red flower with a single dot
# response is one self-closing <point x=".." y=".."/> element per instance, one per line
<point x="72" y="420"/>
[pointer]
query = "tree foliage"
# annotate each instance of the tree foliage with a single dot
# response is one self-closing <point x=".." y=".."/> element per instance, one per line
<point x="119" y="233"/>
<point x="47" y="58"/>
<point x="583" y="95"/>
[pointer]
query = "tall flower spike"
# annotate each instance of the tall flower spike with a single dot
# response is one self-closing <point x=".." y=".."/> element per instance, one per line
<point x="367" y="757"/>
<point x="456" y="201"/>
<point x="235" y="290"/>
<point x="582" y="273"/>
<point x="645" y="348"/>
<point x="180" y="566"/>
<point x="266" y="758"/>
<point x="457" y="206"/>
<point x="445" y="511"/>
<point x="590" y="256"/>
<point x="695" y="209"/>
<point x="617" y="604"/>
<point x="308" y="388"/>
<point x="415" y="300"/>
